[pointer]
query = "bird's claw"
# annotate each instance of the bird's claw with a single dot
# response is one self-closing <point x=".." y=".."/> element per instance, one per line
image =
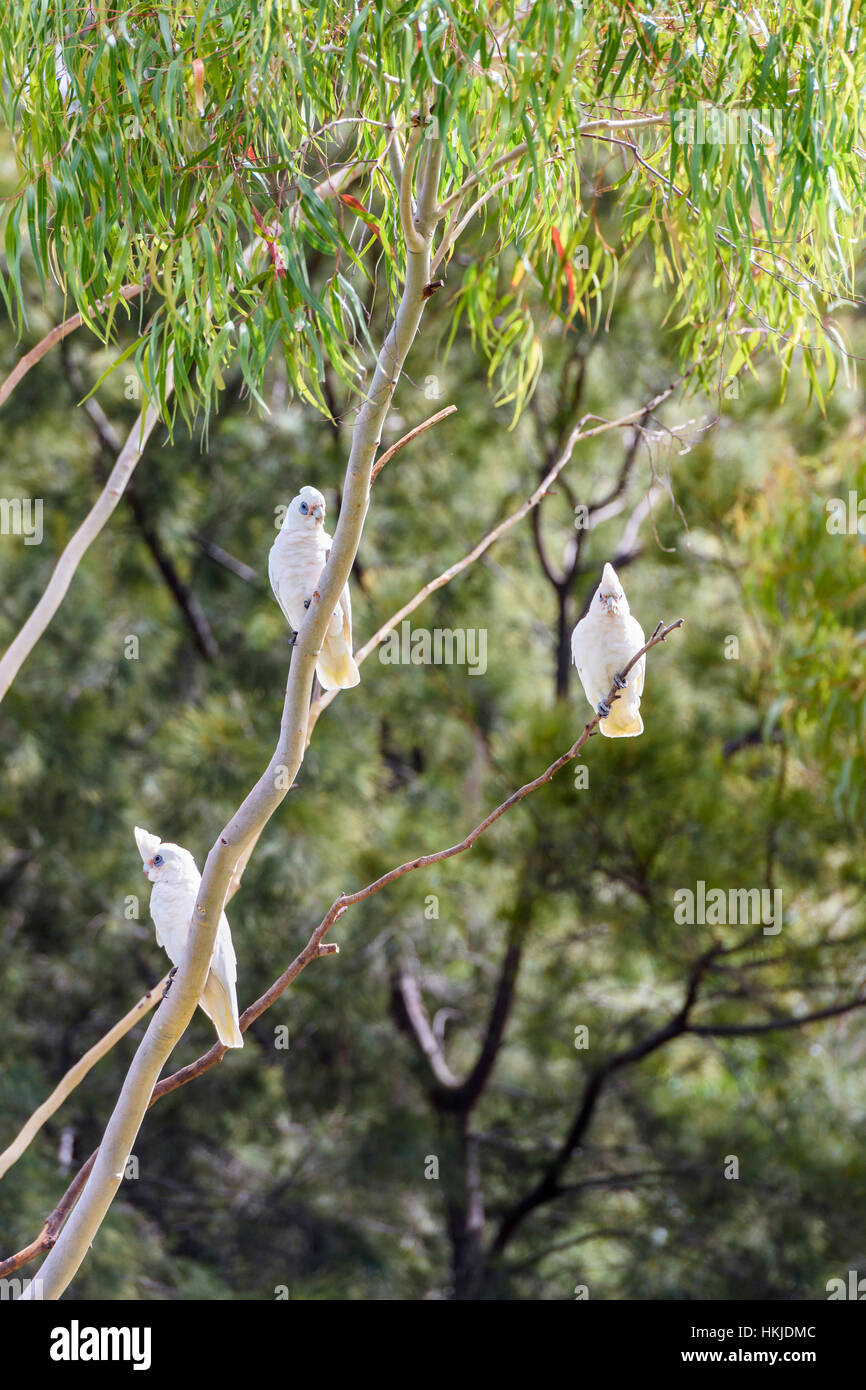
<point x="293" y="639"/>
<point x="603" y="709"/>
<point x="307" y="602"/>
<point x="619" y="682"/>
<point x="171" y="974"/>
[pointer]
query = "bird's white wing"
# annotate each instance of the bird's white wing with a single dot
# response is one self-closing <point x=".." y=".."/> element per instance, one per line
<point x="219" y="996"/>
<point x="224" y="960"/>
<point x="275" y="582"/>
<point x="587" y="658"/>
<point x="147" y="844"/>
<point x="636" y="636"/>
<point x="345" y="599"/>
<point x="346" y="604"/>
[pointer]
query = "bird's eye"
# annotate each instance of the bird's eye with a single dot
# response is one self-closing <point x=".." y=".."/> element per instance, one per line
<point x="157" y="860"/>
<point x="304" y="509"/>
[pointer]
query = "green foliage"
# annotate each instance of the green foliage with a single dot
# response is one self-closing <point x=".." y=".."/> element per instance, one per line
<point x="183" y="134"/>
<point x="807" y="579"/>
<point x="304" y="1167"/>
<point x="158" y="144"/>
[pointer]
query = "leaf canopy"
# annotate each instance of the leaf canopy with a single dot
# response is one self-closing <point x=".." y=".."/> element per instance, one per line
<point x="235" y="159"/>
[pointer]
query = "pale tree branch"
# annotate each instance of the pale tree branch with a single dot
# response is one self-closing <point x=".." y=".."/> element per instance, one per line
<point x="50" y="1232"/>
<point x="455" y="232"/>
<point x="75" y="1075"/>
<point x="411" y="235"/>
<point x="56" y="335"/>
<point x="188" y="605"/>
<point x="48" y="1235"/>
<point x="395" y="158"/>
<point x="315" y="947"/>
<point x="64" y="571"/>
<point x="229" y="562"/>
<point x="173" y="1016"/>
<point x="511" y="156"/>
<point x="451" y="1094"/>
<point x="382" y="460"/>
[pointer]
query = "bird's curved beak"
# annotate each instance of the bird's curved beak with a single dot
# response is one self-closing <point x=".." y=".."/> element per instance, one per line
<point x="318" y="512"/>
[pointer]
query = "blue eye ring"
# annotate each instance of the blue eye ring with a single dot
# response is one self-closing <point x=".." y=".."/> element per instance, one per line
<point x="157" y="860"/>
<point x="304" y="509"/>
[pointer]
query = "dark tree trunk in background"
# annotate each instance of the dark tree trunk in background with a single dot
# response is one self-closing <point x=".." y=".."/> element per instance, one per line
<point x="465" y="1212"/>
<point x="563" y="646"/>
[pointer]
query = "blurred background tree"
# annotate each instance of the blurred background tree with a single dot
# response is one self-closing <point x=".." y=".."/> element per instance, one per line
<point x="308" y="1167"/>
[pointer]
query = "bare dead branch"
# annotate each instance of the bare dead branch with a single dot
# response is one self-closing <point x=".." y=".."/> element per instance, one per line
<point x="75" y="1075"/>
<point x="56" y="335"/>
<point x="64" y="570"/>
<point x="389" y="453"/>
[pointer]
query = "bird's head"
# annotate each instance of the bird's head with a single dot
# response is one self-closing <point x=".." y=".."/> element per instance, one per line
<point x="163" y="862"/>
<point x="609" y="596"/>
<point x="306" y="511"/>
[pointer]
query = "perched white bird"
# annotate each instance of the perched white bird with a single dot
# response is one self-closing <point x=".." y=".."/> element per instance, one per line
<point x="601" y="645"/>
<point x="175" y="878"/>
<point x="296" y="560"/>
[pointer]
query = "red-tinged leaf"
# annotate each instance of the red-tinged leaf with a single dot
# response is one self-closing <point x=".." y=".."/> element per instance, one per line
<point x="569" y="271"/>
<point x="275" y="251"/>
<point x="198" y="80"/>
<point x="364" y="213"/>
<point x="354" y="203"/>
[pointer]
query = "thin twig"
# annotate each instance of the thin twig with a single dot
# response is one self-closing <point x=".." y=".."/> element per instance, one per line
<point x="64" y="571"/>
<point x="57" y="334"/>
<point x="407" y="439"/>
<point x="75" y="1075"/>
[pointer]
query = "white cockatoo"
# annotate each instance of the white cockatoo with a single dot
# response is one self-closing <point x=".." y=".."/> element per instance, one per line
<point x="296" y="560"/>
<point x="175" y="878"/>
<point x="601" y="645"/>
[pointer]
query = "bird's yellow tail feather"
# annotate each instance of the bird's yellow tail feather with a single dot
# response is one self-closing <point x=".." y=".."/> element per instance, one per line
<point x="627" y="727"/>
<point x="337" y="670"/>
<point x="221" y="1011"/>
